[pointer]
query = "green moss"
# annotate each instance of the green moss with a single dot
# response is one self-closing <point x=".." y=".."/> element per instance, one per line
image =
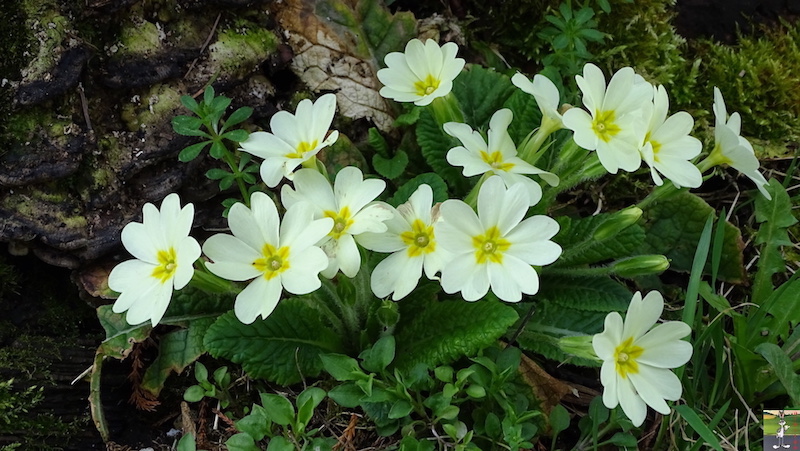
<point x="641" y="36"/>
<point x="240" y="48"/>
<point x="157" y="105"/>
<point x="49" y="28"/>
<point x="759" y="78"/>
<point x="140" y="38"/>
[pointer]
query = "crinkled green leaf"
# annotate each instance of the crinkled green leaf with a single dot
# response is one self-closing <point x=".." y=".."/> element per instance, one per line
<point x="120" y="336"/>
<point x="775" y="217"/>
<point x="390" y="168"/>
<point x="781" y="365"/>
<point x="551" y="322"/>
<point x="282" y="348"/>
<point x="576" y="238"/>
<point x="176" y="350"/>
<point x="378" y="142"/>
<point x="409" y="118"/>
<point x="434" y="144"/>
<point x="439" y="332"/>
<point x="480" y="93"/>
<point x="436" y="183"/>
<point x="600" y="294"/>
<point x="673" y="226"/>
<point x="527" y="115"/>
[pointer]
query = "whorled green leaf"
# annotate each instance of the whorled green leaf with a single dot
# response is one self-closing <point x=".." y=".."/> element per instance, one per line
<point x="775" y="217"/>
<point x="439" y="332"/>
<point x="176" y="351"/>
<point x="527" y="115"/>
<point x="576" y="238"/>
<point x="436" y="183"/>
<point x="673" y="227"/>
<point x="600" y="294"/>
<point x="781" y="365"/>
<point x="551" y="322"/>
<point x="279" y="348"/>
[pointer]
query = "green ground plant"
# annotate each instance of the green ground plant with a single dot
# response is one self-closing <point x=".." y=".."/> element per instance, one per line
<point x="429" y="366"/>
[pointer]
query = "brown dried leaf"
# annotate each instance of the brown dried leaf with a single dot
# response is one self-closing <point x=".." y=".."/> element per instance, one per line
<point x="339" y="46"/>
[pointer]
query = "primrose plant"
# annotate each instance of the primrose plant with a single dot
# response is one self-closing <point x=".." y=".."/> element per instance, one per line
<point x="309" y="273"/>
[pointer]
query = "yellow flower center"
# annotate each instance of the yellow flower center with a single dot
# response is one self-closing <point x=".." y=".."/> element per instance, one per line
<point x="273" y="262"/>
<point x="341" y="221"/>
<point x="490" y="246"/>
<point x="302" y="148"/>
<point x="604" y="126"/>
<point x="167" y="263"/>
<point x="625" y="356"/>
<point x="419" y="239"/>
<point x="655" y="145"/>
<point x="495" y="160"/>
<point x="427" y="86"/>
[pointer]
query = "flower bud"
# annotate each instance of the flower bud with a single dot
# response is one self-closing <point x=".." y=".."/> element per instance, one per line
<point x="579" y="346"/>
<point x="617" y="223"/>
<point x="641" y="265"/>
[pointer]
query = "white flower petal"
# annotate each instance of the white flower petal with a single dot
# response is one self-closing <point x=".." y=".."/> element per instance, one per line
<point x="302" y="277"/>
<point x="259" y="298"/>
<point x="633" y="406"/>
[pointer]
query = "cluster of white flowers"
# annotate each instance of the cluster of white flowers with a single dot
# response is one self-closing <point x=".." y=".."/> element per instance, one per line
<point x="471" y="252"/>
<point x="627" y="123"/>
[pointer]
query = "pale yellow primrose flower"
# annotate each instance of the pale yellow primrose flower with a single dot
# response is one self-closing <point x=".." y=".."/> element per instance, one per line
<point x="275" y="255"/>
<point x="667" y="146"/>
<point x="732" y="149"/>
<point x="420" y="74"/>
<point x="164" y="254"/>
<point x="495" y="247"/>
<point x="637" y="359"/>
<point x="349" y="204"/>
<point x="411" y="239"/>
<point x="546" y="95"/>
<point x="498" y="157"/>
<point x="295" y="138"/>
<point x="614" y="122"/>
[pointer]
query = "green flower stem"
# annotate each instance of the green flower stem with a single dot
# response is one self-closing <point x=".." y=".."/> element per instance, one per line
<point x="231" y="159"/>
<point x="530" y="148"/>
<point x="335" y="319"/>
<point x="661" y="192"/>
<point x="446" y="109"/>
<point x="575" y="165"/>
<point x="210" y="283"/>
<point x="594" y="271"/>
<point x="348" y="314"/>
<point x="472" y="196"/>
